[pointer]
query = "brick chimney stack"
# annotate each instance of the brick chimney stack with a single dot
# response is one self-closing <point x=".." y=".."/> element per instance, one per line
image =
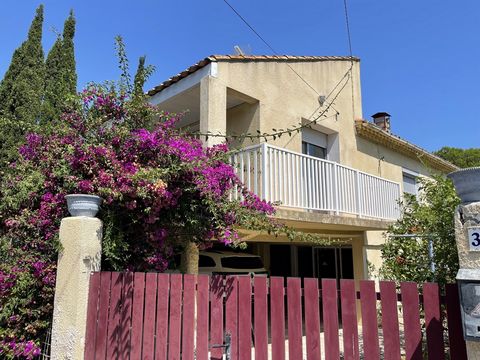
<point x="382" y="120"/>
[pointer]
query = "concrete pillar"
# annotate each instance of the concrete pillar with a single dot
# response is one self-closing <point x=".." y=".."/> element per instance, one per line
<point x="213" y="109"/>
<point x="468" y="215"/>
<point x="80" y="238"/>
<point x="372" y="248"/>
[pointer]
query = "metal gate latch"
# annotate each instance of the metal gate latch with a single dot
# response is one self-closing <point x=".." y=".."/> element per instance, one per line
<point x="226" y="345"/>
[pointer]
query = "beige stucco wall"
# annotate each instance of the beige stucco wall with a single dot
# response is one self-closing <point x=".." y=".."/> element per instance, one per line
<point x="213" y="109"/>
<point x="277" y="98"/>
<point x="285" y="101"/>
<point x="242" y="119"/>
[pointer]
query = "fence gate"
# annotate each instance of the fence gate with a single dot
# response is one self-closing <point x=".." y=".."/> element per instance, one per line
<point x="162" y="316"/>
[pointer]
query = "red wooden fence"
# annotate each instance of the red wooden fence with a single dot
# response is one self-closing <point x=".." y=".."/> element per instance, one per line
<point x="161" y="316"/>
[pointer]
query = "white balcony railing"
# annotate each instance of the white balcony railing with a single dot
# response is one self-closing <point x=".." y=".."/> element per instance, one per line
<point x="301" y="181"/>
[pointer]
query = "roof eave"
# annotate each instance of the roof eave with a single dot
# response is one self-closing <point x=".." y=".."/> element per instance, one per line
<point x="373" y="133"/>
<point x="242" y="58"/>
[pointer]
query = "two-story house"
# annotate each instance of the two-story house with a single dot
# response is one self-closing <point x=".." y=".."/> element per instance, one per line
<point x="340" y="176"/>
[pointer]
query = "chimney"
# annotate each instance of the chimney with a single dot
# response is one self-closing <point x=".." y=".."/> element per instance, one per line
<point x="382" y="120"/>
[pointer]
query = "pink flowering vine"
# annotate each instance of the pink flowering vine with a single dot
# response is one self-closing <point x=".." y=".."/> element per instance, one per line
<point x="160" y="189"/>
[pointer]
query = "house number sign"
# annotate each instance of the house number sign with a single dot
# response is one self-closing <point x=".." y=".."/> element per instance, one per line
<point x="474" y="238"/>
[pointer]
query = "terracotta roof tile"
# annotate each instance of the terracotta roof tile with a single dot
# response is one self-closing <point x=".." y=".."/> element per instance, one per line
<point x="243" y="58"/>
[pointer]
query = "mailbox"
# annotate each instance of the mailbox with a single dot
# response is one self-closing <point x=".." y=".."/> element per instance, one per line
<point x="469" y="290"/>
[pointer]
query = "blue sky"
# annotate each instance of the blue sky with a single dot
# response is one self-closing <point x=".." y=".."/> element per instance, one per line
<point x="420" y="59"/>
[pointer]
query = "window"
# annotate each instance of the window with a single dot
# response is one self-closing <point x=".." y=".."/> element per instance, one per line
<point x="409" y="183"/>
<point x="314" y="143"/>
<point x="314" y="150"/>
<point x="206" y="261"/>
<point x="242" y="262"/>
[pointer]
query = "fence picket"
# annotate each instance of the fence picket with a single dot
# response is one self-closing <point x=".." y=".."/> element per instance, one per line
<point x="113" y="351"/>
<point x="202" y="317"/>
<point x="368" y="302"/>
<point x="92" y="315"/>
<point x="330" y="318"/>
<point x="188" y="317"/>
<point x="244" y="318"/>
<point x="294" y="306"/>
<point x="391" y="333"/>
<point x="260" y="318"/>
<point x="137" y="316"/>
<point x="102" y="325"/>
<point x="146" y="316"/>
<point x="411" y="320"/>
<point x="216" y="316"/>
<point x="277" y="317"/>
<point x="312" y="319"/>
<point x="231" y="316"/>
<point x="126" y="319"/>
<point x="458" y="350"/>
<point x="433" y="321"/>
<point x="149" y="318"/>
<point x="175" y="317"/>
<point x="163" y="292"/>
<point x="349" y="319"/>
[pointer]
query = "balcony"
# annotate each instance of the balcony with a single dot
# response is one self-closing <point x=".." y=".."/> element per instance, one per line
<point x="304" y="182"/>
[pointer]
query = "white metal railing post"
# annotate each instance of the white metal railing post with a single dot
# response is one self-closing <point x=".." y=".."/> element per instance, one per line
<point x="290" y="177"/>
<point x="357" y="193"/>
<point x="335" y="184"/>
<point x="264" y="150"/>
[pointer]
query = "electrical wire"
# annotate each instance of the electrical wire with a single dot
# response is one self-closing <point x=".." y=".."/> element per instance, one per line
<point x="274" y="135"/>
<point x="290" y="131"/>
<point x="268" y="45"/>
<point x="349" y="37"/>
<point x="347" y="23"/>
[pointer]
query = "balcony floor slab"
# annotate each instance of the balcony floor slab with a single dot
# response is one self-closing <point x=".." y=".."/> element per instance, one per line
<point x="318" y="220"/>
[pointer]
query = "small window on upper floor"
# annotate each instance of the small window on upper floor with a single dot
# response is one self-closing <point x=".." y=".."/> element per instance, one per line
<point x="314" y="143"/>
<point x="410" y="183"/>
<point x="314" y="150"/>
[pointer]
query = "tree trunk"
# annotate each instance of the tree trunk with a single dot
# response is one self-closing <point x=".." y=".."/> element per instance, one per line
<point x="189" y="260"/>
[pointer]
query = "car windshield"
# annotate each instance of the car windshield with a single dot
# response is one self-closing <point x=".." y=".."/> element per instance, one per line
<point x="242" y="262"/>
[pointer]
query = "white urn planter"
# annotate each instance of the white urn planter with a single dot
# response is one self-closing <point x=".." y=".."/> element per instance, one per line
<point x="467" y="184"/>
<point x="83" y="204"/>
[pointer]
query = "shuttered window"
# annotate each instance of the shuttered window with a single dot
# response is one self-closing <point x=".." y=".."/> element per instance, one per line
<point x="409" y="184"/>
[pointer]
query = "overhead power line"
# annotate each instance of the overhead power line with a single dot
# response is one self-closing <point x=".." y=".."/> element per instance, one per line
<point x="347" y="24"/>
<point x="278" y="133"/>
<point x="349" y="37"/>
<point x="268" y="45"/>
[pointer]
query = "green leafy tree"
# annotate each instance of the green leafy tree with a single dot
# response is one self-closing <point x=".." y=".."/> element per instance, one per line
<point x="431" y="217"/>
<point x="21" y="90"/>
<point x="60" y="73"/>
<point x="463" y="158"/>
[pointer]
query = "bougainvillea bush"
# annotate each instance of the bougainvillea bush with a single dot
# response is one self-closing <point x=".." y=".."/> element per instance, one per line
<point x="160" y="190"/>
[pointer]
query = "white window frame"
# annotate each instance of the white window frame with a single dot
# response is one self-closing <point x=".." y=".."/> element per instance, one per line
<point x="315" y="137"/>
<point x="411" y="174"/>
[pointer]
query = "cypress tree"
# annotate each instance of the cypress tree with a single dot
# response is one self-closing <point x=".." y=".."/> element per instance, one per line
<point x="61" y="76"/>
<point x="70" y="75"/>
<point x="21" y="91"/>
<point x="140" y="78"/>
<point x="54" y="85"/>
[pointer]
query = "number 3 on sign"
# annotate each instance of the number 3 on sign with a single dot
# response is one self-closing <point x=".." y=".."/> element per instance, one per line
<point x="474" y="238"/>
